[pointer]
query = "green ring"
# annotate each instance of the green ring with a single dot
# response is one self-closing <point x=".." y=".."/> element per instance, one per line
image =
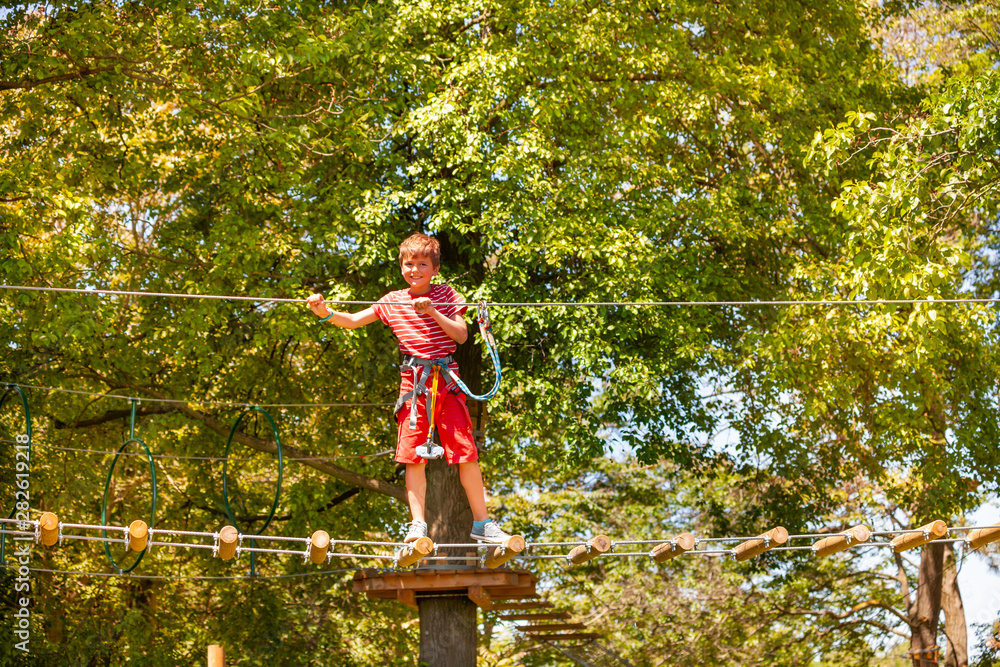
<point x="104" y="504"/>
<point x="27" y="425"/>
<point x="225" y="468"/>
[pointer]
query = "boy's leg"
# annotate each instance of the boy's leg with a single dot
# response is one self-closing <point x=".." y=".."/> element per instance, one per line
<point x="416" y="489"/>
<point x="472" y="481"/>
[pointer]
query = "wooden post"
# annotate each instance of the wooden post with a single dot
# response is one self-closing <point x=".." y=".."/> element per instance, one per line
<point x="932" y="531"/>
<point x="675" y="547"/>
<point x="835" y="543"/>
<point x="48" y="526"/>
<point x="581" y="554"/>
<point x="138" y="535"/>
<point x="500" y="554"/>
<point x="216" y="656"/>
<point x="228" y="537"/>
<point x="980" y="536"/>
<point x="414" y="552"/>
<point x="317" y="547"/>
<point x="758" y="545"/>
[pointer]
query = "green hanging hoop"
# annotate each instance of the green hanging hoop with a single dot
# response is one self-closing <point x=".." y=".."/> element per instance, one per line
<point x="107" y="487"/>
<point x="27" y="434"/>
<point x="225" y="475"/>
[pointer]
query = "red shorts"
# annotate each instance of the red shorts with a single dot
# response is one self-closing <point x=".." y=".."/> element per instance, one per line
<point x="451" y="422"/>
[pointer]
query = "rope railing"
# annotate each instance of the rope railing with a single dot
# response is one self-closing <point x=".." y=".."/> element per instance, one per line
<point x="195" y="401"/>
<point x="178" y="457"/>
<point x="229" y="543"/>
<point x="93" y="291"/>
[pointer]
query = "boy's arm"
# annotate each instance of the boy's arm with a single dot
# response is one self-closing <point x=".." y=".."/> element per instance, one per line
<point x="345" y="320"/>
<point x="455" y="327"/>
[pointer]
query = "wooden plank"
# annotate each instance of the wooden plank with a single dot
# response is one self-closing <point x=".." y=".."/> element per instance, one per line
<point x="414" y="552"/>
<point x="571" y="636"/>
<point x="409" y="598"/>
<point x="836" y="543"/>
<point x="517" y="606"/>
<point x="481" y="597"/>
<point x="758" y="545"/>
<point x="983" y="536"/>
<point x="536" y="617"/>
<point x="552" y="627"/>
<point x="596" y="547"/>
<point x="677" y="546"/>
<point x="415" y="582"/>
<point x="935" y="530"/>
<point x="498" y="555"/>
<point x="512" y="592"/>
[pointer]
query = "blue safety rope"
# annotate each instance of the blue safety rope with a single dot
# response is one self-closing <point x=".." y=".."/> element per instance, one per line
<point x="486" y="329"/>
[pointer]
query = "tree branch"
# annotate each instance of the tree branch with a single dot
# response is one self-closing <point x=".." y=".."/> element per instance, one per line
<point x="829" y="613"/>
<point x="343" y="474"/>
<point x="114" y="415"/>
<point x="14" y="85"/>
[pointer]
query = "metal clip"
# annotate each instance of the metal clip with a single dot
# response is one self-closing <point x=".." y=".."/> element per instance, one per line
<point x="149" y="543"/>
<point x="215" y="545"/>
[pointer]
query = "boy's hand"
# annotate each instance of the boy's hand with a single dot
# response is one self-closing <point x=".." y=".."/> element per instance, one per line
<point x="423" y="305"/>
<point x="316" y="303"/>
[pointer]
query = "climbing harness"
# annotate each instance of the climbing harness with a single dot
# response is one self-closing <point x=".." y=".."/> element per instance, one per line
<point x="429" y="450"/>
<point x="421" y="368"/>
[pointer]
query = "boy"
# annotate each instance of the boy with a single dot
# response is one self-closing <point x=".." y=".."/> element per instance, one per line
<point x="426" y="333"/>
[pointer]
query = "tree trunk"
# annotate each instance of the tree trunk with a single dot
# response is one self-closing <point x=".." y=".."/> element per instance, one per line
<point x="447" y="632"/>
<point x="448" y="623"/>
<point x="954" y="615"/>
<point x="927" y="607"/>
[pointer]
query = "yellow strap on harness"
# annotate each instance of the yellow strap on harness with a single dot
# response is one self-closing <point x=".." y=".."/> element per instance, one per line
<point x="430" y="410"/>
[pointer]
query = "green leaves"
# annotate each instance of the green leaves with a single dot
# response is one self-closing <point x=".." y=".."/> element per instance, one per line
<point x="560" y="152"/>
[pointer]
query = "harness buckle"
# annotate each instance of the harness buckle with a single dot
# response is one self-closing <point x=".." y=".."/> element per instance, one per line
<point x="429" y="450"/>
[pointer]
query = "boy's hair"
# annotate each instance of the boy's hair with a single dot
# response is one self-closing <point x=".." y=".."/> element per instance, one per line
<point x="420" y="245"/>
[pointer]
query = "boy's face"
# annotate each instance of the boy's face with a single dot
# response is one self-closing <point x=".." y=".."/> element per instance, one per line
<point x="418" y="271"/>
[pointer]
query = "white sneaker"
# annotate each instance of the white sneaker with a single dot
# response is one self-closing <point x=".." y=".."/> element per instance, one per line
<point x="491" y="533"/>
<point x="417" y="530"/>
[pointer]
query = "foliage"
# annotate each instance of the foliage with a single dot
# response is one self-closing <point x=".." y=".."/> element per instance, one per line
<point x="561" y="151"/>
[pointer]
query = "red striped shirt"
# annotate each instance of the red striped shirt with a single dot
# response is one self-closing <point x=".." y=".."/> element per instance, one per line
<point x="419" y="335"/>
